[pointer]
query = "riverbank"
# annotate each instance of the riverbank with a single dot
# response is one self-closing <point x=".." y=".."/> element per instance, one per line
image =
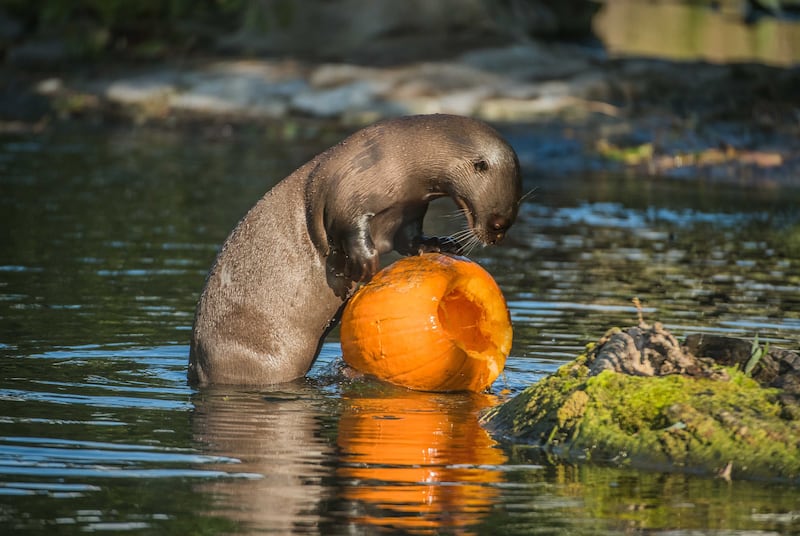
<point x="580" y="110"/>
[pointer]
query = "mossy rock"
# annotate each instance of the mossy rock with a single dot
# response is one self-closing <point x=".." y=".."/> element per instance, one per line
<point x="637" y="397"/>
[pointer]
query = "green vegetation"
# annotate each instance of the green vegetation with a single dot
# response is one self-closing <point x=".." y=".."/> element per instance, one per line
<point x="141" y="28"/>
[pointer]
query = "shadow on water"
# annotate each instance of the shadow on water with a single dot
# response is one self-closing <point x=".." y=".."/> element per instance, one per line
<point x="108" y="235"/>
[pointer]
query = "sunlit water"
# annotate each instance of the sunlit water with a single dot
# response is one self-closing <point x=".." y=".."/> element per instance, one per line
<point x="108" y="235"/>
<point x="723" y="31"/>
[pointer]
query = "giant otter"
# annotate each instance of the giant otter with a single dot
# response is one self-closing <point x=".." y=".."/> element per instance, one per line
<point x="290" y="264"/>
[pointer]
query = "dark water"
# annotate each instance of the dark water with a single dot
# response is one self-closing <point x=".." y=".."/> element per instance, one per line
<point x="106" y="238"/>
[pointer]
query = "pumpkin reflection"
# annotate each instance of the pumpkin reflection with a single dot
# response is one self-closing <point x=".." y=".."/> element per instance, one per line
<point x="419" y="462"/>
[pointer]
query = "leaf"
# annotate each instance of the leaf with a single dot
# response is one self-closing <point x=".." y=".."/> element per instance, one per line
<point x="756" y="353"/>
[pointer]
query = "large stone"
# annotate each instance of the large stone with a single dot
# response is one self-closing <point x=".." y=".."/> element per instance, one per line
<point x="637" y="397"/>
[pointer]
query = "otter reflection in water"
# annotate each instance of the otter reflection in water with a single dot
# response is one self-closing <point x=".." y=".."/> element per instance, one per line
<point x="371" y="456"/>
<point x="275" y="434"/>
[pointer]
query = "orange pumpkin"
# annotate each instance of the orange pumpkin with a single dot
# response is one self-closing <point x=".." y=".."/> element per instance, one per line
<point x="431" y="322"/>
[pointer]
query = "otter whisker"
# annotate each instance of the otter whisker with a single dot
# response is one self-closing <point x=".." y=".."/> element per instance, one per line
<point x="526" y="195"/>
<point x="461" y="236"/>
<point x="456" y="214"/>
<point x="466" y="240"/>
<point x="471" y="243"/>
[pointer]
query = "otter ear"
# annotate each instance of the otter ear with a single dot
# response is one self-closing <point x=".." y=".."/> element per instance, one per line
<point x="480" y="165"/>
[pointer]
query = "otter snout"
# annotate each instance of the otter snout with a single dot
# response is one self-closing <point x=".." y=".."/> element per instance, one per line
<point x="497" y="227"/>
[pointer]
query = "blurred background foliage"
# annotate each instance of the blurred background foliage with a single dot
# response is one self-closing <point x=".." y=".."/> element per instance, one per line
<point x="379" y="31"/>
<point x="148" y="28"/>
<point x="92" y="27"/>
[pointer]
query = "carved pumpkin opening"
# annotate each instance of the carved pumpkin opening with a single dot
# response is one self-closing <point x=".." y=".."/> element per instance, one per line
<point x="461" y="317"/>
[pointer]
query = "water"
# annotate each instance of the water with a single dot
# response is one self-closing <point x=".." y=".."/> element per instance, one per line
<point x="107" y="237"/>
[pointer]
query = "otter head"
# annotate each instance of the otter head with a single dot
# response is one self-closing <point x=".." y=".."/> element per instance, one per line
<point x="485" y="183"/>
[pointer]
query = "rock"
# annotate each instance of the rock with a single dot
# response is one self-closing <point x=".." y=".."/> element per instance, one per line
<point x="637" y="397"/>
<point x="530" y="61"/>
<point x="462" y="102"/>
<point x="645" y="351"/>
<point x="592" y="84"/>
<point x="771" y="367"/>
<point x="49" y="86"/>
<point x="337" y="100"/>
<point x="436" y="78"/>
<point x="245" y="88"/>
<point x="517" y="110"/>
<point x="142" y="89"/>
<point x="243" y="94"/>
<point x="330" y="75"/>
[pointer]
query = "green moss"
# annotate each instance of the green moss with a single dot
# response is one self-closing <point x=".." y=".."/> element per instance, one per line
<point x="673" y="421"/>
<point x="534" y="413"/>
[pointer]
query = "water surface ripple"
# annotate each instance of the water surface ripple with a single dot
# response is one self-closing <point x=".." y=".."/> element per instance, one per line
<point x="108" y="235"/>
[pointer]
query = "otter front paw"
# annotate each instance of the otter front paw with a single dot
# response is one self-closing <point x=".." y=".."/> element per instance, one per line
<point x="356" y="258"/>
<point x="360" y="266"/>
<point x="352" y="266"/>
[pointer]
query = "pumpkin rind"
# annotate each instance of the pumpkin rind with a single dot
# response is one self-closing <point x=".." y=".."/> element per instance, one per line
<point x="431" y="322"/>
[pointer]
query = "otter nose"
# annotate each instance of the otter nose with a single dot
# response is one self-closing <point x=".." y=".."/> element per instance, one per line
<point x="498" y="225"/>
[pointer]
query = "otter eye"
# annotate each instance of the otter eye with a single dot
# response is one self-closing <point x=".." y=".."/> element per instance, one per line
<point x="480" y="165"/>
